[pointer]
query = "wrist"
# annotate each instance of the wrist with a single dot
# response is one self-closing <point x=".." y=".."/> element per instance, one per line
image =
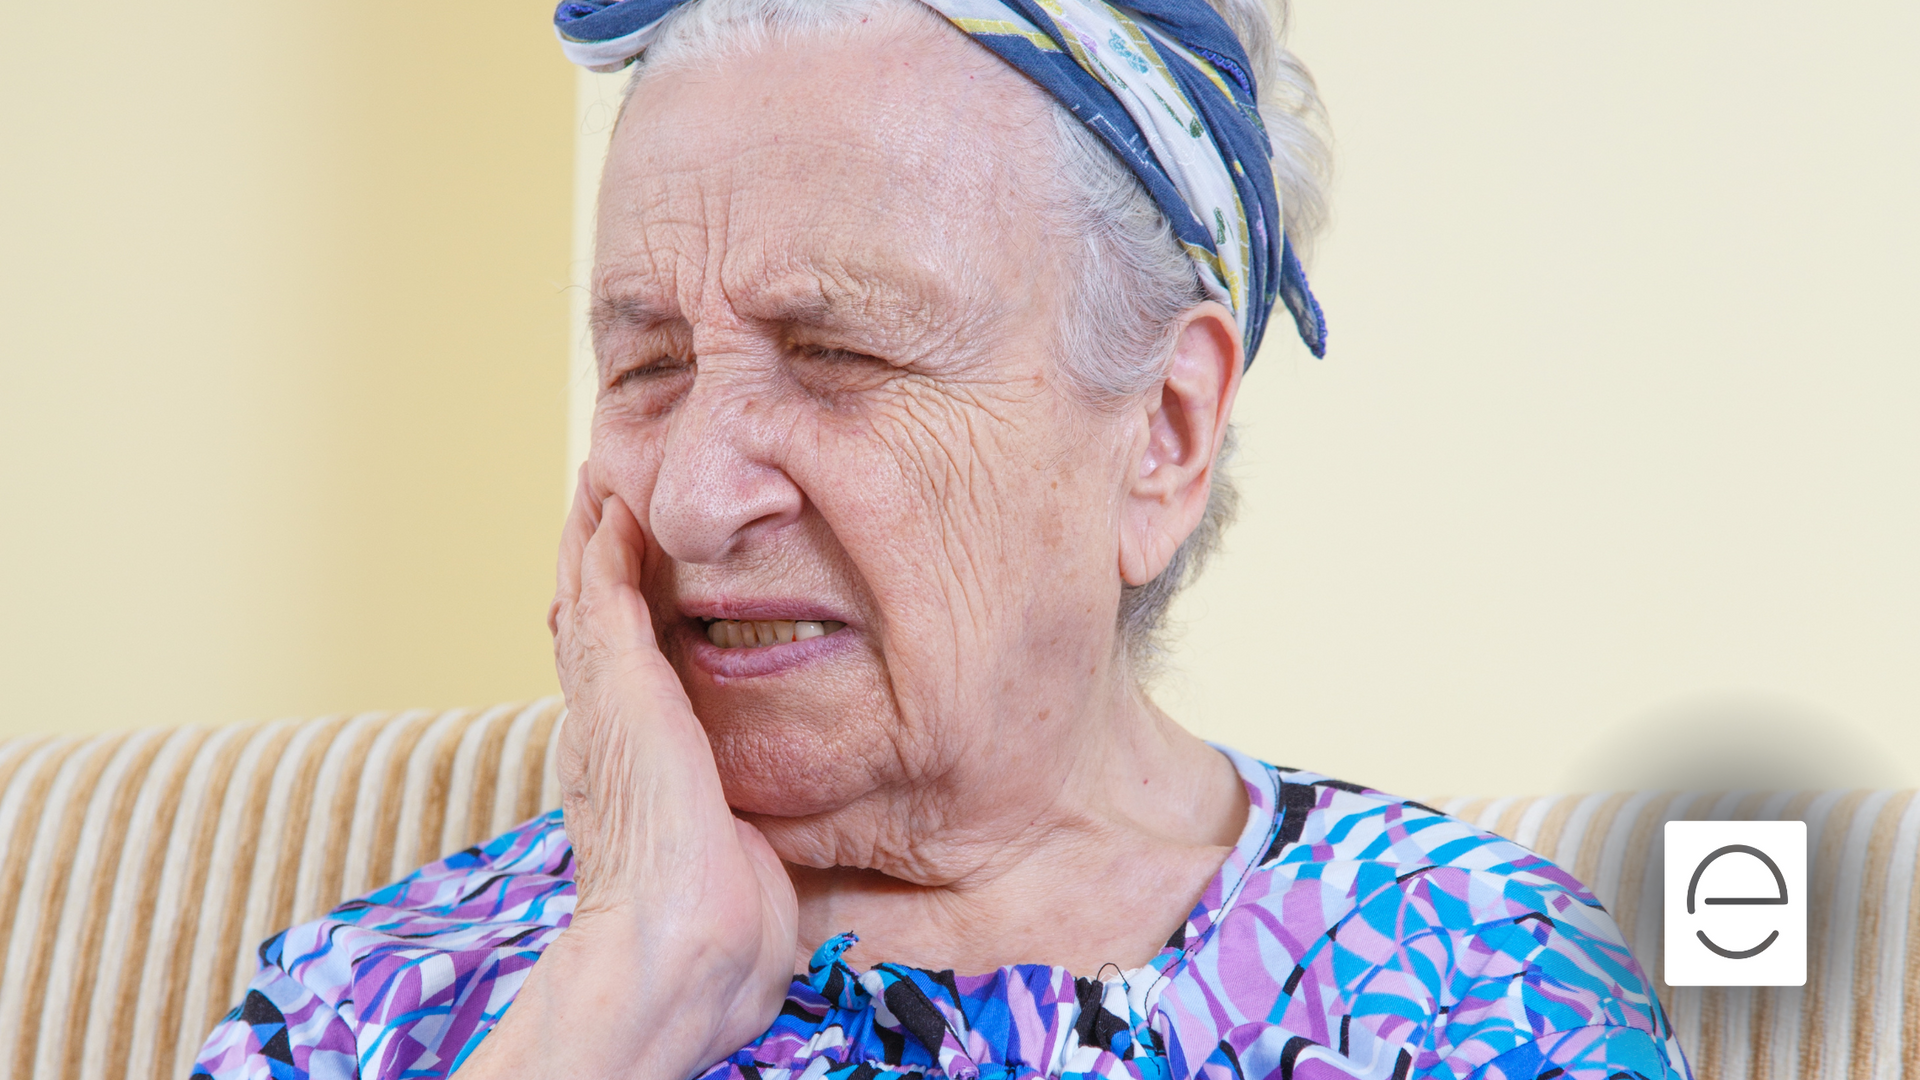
<point x="609" y="999"/>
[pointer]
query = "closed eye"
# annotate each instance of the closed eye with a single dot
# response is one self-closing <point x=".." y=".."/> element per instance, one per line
<point x="649" y="369"/>
<point x="833" y="355"/>
<point x="832" y="370"/>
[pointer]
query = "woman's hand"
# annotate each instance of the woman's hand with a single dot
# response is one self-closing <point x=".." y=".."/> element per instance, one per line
<point x="683" y="935"/>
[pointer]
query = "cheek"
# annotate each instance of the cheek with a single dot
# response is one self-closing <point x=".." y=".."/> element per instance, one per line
<point x="623" y="458"/>
<point x="966" y="512"/>
<point x="867" y="481"/>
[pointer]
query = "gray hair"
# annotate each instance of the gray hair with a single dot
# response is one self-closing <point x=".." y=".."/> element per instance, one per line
<point x="1135" y="282"/>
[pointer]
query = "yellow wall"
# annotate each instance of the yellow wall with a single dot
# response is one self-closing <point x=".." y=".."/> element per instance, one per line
<point x="1611" y="479"/>
<point x="1612" y="475"/>
<point x="282" y="333"/>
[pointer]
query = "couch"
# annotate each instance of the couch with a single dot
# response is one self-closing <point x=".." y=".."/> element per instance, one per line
<point x="139" y="871"/>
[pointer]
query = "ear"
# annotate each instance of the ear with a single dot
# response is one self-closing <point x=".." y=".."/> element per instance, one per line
<point x="1184" y="421"/>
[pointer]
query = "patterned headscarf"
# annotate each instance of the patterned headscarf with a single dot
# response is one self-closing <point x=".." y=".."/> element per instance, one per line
<point x="1165" y="83"/>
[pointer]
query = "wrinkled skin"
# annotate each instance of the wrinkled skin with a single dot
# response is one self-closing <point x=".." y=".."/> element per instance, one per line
<point x="826" y="304"/>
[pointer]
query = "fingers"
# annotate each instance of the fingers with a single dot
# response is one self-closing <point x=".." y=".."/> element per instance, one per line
<point x="610" y="575"/>
<point x="616" y="548"/>
<point x="582" y="520"/>
<point x="599" y="618"/>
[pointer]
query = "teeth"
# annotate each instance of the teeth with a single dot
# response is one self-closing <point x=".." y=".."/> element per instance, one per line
<point x="759" y="633"/>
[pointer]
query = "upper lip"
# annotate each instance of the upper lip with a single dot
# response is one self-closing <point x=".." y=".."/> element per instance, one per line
<point x="759" y="610"/>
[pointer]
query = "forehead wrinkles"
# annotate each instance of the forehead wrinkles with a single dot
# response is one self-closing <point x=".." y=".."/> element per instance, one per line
<point x="901" y="302"/>
<point x="642" y="236"/>
<point x="706" y="245"/>
<point x="661" y="228"/>
<point x="848" y="170"/>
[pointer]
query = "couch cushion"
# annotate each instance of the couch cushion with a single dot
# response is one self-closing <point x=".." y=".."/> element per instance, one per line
<point x="139" y="871"/>
<point x="1858" y="1016"/>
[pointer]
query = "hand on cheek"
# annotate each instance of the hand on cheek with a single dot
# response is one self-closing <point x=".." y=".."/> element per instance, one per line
<point x="669" y="882"/>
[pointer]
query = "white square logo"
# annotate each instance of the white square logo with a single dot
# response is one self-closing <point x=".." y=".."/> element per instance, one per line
<point x="1736" y="903"/>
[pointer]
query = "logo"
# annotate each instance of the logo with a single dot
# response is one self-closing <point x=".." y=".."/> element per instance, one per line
<point x="1736" y="903"/>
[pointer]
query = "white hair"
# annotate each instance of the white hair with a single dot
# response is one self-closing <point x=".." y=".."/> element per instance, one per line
<point x="1134" y="280"/>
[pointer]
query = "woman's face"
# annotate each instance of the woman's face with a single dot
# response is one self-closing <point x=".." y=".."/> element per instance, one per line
<point x="825" y="313"/>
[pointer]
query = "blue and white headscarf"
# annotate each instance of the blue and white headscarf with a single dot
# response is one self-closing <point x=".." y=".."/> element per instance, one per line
<point x="1164" y="82"/>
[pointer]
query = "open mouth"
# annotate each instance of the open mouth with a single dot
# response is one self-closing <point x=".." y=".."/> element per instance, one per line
<point x="760" y="633"/>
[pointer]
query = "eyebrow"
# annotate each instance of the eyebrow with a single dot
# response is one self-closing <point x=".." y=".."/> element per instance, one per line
<point x="805" y="296"/>
<point x="626" y="310"/>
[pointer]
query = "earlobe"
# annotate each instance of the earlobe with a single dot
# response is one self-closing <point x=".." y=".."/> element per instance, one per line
<point x="1185" y="424"/>
<point x="1148" y="553"/>
<point x="1136" y="556"/>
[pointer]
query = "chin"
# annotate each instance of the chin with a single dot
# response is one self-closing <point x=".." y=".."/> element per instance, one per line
<point x="798" y="730"/>
<point x="782" y="769"/>
<point x="785" y="752"/>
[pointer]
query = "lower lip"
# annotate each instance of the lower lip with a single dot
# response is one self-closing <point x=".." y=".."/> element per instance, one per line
<point x="747" y="663"/>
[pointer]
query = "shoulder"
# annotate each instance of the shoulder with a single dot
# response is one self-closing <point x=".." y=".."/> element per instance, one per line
<point x="409" y="978"/>
<point x="477" y="898"/>
<point x="1407" y="942"/>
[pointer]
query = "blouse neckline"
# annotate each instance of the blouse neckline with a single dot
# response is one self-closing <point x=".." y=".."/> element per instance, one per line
<point x="1262" y="785"/>
<point x="939" y="1008"/>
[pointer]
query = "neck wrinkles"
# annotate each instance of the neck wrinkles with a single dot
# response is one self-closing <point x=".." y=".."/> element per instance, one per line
<point x="1094" y="860"/>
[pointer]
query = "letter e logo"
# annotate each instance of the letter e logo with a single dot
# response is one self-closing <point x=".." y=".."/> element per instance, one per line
<point x="1736" y="903"/>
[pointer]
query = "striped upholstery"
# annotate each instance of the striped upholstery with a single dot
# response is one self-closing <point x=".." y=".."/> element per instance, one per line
<point x="139" y="870"/>
<point x="1858" y="1016"/>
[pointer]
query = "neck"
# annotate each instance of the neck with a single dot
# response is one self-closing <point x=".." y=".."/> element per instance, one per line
<point x="1087" y="846"/>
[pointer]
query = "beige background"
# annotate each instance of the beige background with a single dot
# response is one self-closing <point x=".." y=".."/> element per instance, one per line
<point x="1609" y="480"/>
<point x="282" y="357"/>
<point x="1612" y="476"/>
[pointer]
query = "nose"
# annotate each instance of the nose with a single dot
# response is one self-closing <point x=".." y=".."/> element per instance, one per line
<point x="720" y="479"/>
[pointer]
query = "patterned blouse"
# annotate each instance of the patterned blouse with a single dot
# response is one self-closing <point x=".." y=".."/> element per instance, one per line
<point x="1349" y="934"/>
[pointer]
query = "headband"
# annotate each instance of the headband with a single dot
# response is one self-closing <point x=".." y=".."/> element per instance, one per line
<point x="1164" y="83"/>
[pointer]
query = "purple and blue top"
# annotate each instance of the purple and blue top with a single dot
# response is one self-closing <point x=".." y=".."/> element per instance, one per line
<point x="1349" y="934"/>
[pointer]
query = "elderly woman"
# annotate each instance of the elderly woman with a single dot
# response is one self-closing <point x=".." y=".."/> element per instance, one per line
<point x="919" y="327"/>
